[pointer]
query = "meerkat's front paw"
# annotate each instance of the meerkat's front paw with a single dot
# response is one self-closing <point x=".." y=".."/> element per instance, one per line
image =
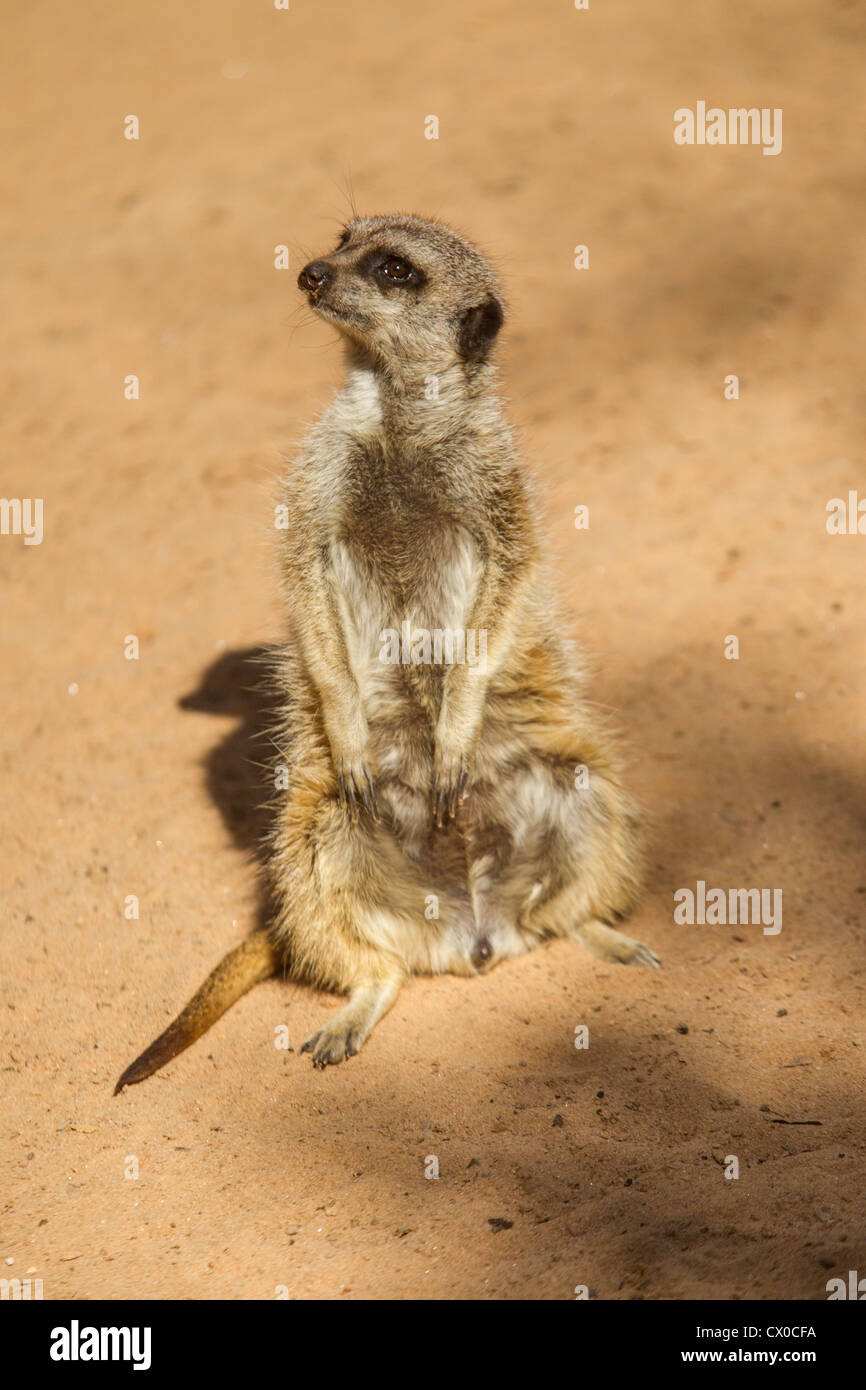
<point x="353" y="760"/>
<point x="450" y="779"/>
<point x="355" y="784"/>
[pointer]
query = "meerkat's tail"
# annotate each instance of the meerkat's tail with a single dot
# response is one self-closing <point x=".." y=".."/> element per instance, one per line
<point x="254" y="960"/>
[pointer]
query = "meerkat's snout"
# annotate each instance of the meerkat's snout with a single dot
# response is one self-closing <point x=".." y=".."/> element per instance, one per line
<point x="314" y="276"/>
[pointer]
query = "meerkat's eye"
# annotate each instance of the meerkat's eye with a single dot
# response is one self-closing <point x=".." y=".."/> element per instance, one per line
<point x="397" y="270"/>
<point x="392" y="270"/>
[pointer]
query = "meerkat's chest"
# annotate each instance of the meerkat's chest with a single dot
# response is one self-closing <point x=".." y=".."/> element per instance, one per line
<point x="406" y="601"/>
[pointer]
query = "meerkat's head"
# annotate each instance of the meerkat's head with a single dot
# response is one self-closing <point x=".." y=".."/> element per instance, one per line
<point x="410" y="292"/>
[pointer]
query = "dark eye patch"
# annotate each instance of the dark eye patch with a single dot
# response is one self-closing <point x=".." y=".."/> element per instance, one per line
<point x="391" y="270"/>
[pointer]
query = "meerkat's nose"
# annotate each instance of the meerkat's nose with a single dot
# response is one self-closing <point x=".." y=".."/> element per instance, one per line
<point x="313" y="276"/>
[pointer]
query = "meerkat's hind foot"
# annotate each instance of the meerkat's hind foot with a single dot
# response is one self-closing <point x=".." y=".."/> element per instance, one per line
<point x="609" y="944"/>
<point x="345" y="1034"/>
<point x="334" y="1042"/>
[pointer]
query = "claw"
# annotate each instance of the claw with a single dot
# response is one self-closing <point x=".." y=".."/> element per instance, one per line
<point x="369" y="794"/>
<point x="454" y="792"/>
<point x="449" y="792"/>
<point x="351" y="787"/>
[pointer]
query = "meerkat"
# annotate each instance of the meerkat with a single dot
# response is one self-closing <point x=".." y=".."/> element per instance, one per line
<point x="441" y="815"/>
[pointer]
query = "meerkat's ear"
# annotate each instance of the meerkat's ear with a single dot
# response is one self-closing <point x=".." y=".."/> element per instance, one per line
<point x="478" y="327"/>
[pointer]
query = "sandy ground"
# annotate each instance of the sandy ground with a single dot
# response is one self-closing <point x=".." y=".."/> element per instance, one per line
<point x="707" y="519"/>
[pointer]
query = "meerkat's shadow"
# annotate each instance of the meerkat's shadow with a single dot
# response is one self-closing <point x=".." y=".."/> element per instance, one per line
<point x="239" y="683"/>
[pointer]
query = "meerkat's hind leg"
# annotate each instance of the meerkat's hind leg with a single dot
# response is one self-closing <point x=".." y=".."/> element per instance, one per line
<point x="344" y="1034"/>
<point x="609" y="944"/>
